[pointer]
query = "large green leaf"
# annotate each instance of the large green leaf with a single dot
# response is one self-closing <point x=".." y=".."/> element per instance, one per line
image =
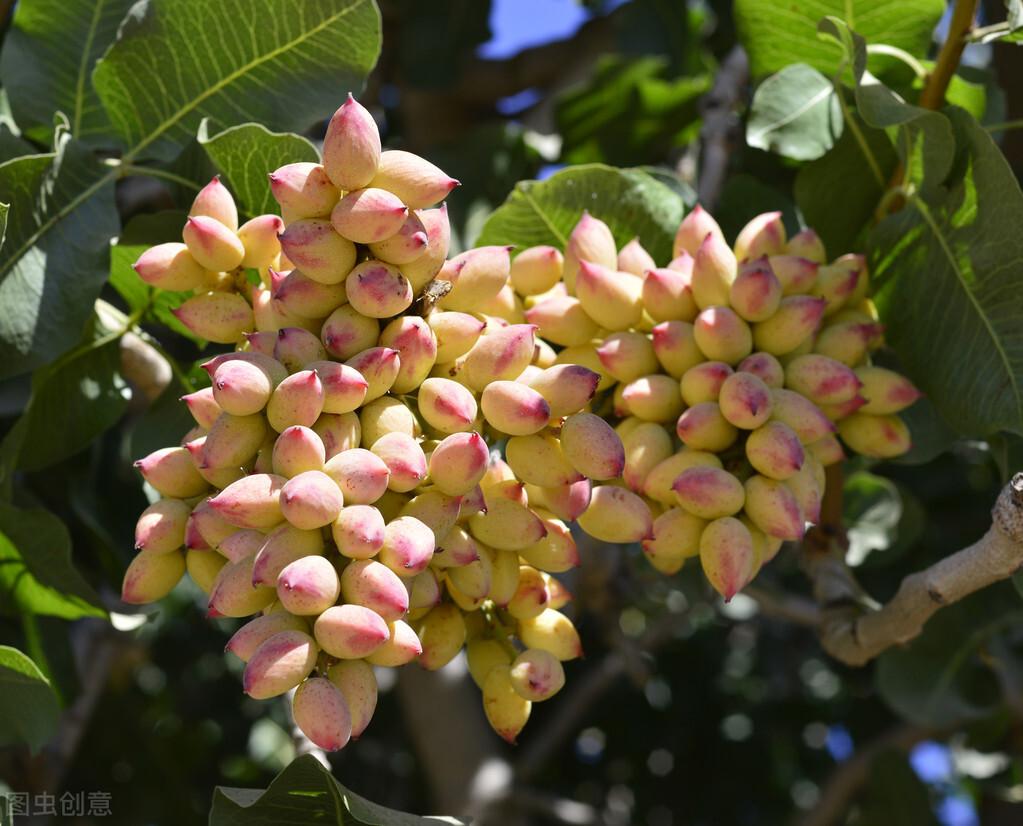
<point x="839" y="192"/>
<point x="282" y="63"/>
<point x="47" y="60"/>
<point x="795" y="113"/>
<point x="36" y="574"/>
<point x="629" y="201"/>
<point x="57" y="252"/>
<point x="246" y="153"/>
<point x="948" y="272"/>
<point x="942" y="676"/>
<point x="773" y="33"/>
<point x="28" y="706"/>
<point x="306" y="792"/>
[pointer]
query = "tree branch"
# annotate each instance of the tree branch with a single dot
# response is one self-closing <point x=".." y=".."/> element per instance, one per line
<point x="720" y="124"/>
<point x="854" y="632"/>
<point x="788" y="607"/>
<point x="933" y="95"/>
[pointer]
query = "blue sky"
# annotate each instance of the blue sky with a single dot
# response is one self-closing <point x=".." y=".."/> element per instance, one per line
<point x="519" y="24"/>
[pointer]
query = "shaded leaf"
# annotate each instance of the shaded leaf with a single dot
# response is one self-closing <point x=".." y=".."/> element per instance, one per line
<point x="49" y="644"/>
<point x="629" y="201"/>
<point x="1007" y="450"/>
<point x="285" y="64"/>
<point x="36" y="574"/>
<point x="795" y="113"/>
<point x="57" y="252"/>
<point x="948" y="273"/>
<point x="165" y="421"/>
<point x="926" y="144"/>
<point x="745" y="196"/>
<point x="839" y="192"/>
<point x="940" y="677"/>
<point x="12" y="145"/>
<point x="306" y="792"/>
<point x="246" y="153"/>
<point x="28" y="706"/>
<point x="47" y="60"/>
<point x="772" y="34"/>
<point x="73" y="402"/>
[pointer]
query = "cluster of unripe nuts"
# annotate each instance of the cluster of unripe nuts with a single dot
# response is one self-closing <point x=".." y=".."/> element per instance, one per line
<point x="342" y="487"/>
<point x="338" y="486"/>
<point x="732" y="373"/>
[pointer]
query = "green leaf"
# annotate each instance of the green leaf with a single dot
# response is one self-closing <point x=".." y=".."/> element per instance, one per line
<point x="772" y="34"/>
<point x="629" y="201"/>
<point x="246" y="153"/>
<point x="745" y="196"/>
<point x="47" y="60"/>
<point x="72" y="403"/>
<point x="36" y="574"/>
<point x="948" y="275"/>
<point x="166" y="420"/>
<point x="661" y="112"/>
<point x="28" y="706"/>
<point x="12" y="145"/>
<point x="941" y="677"/>
<point x="50" y="646"/>
<point x="57" y="252"/>
<point x="1007" y="451"/>
<point x="926" y="144"/>
<point x="282" y="63"/>
<point x="306" y="792"/>
<point x="795" y="113"/>
<point x="839" y="192"/>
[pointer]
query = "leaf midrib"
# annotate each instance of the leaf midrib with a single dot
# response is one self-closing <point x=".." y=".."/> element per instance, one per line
<point x="925" y="213"/>
<point x="239" y="72"/>
<point x="825" y="92"/>
<point x="543" y="216"/>
<point x="86" y="51"/>
<point x="130" y="155"/>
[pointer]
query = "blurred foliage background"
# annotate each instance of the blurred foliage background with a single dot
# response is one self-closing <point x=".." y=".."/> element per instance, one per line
<point x="684" y="712"/>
